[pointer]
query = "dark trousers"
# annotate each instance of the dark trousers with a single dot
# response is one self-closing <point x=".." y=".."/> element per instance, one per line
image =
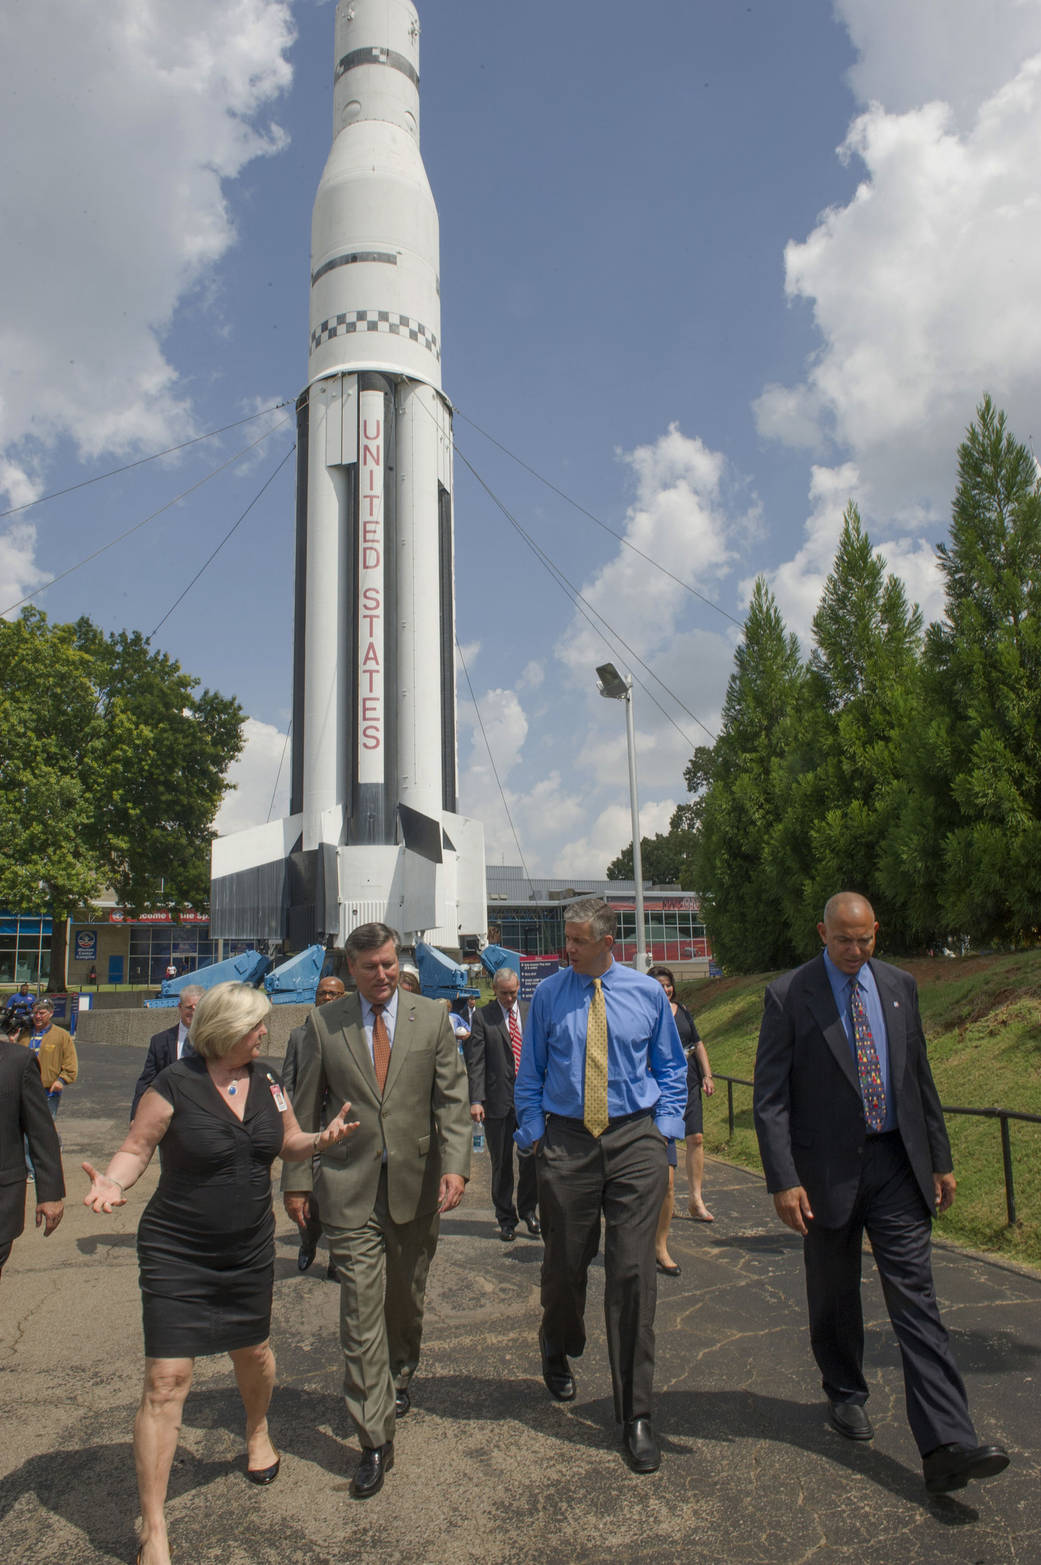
<point x="621" y="1176"/>
<point x="890" y="1208"/>
<point x="502" y="1151"/>
<point x="5" y="1250"/>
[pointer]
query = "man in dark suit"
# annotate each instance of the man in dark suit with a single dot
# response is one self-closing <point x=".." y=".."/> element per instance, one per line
<point x="394" y="1058"/>
<point x="329" y="988"/>
<point x="852" y="1138"/>
<point x="492" y="1055"/>
<point x="169" y="1045"/>
<point x="24" y="1116"/>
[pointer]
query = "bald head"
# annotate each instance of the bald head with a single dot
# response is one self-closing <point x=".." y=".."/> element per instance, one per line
<point x="848" y="931"/>
<point x="329" y="988"/>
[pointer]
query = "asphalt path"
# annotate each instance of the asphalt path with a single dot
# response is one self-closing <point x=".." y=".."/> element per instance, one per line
<point x="488" y="1469"/>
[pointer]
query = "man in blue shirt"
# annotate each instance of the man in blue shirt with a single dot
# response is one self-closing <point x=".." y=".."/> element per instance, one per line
<point x="602" y="1083"/>
<point x="852" y="1138"/>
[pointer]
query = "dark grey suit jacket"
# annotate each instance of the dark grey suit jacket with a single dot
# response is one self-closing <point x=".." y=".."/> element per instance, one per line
<point x="809" y="1114"/>
<point x="489" y="1059"/>
<point x="24" y="1112"/>
<point x="162" y="1051"/>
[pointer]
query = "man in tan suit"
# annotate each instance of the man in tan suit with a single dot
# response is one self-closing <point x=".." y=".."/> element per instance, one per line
<point x="394" y="1058"/>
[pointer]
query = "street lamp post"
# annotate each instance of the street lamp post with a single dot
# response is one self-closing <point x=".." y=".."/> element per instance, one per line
<point x="615" y="687"/>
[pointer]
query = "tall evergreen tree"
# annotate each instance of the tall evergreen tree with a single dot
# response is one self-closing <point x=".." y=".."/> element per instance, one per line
<point x="740" y="783"/>
<point x="980" y="761"/>
<point x="862" y="694"/>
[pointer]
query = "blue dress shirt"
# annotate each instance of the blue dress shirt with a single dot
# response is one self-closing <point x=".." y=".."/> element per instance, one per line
<point x="646" y="1066"/>
<point x="842" y="989"/>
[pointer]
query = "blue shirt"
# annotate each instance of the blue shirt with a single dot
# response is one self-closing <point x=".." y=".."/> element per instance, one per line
<point x="646" y="1067"/>
<point x="842" y="989"/>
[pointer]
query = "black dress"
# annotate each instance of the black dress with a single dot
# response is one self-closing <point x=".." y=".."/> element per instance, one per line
<point x="693" y="1119"/>
<point x="205" y="1243"/>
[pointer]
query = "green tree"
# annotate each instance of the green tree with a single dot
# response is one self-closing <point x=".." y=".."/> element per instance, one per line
<point x="978" y="763"/>
<point x="740" y="785"/>
<point x="862" y="696"/>
<point x="667" y="857"/>
<point x="113" y="766"/>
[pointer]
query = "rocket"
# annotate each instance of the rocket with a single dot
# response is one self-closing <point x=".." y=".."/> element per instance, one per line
<point x="373" y="830"/>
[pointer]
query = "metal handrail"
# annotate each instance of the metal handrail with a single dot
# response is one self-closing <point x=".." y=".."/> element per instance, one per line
<point x="1002" y="1115"/>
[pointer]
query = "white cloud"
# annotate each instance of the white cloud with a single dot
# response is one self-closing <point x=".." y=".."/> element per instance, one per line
<point x="127" y="117"/>
<point x="256" y="796"/>
<point x="948" y="49"/>
<point x="687" y="514"/>
<point x="797" y="583"/>
<point x="18" y="575"/>
<point x="925" y="286"/>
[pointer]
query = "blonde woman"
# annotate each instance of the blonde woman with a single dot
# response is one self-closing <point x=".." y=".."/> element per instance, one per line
<point x="205" y="1242"/>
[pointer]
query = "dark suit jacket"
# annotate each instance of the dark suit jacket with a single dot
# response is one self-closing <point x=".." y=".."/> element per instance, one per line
<point x="24" y="1112"/>
<point x="421" y="1118"/>
<point x="162" y="1051"/>
<point x="489" y="1059"/>
<point x="809" y="1114"/>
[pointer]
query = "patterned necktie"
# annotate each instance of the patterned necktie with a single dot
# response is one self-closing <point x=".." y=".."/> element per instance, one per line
<point x="516" y="1039"/>
<point x="380" y="1046"/>
<point x="870" y="1071"/>
<point x="595" y="1112"/>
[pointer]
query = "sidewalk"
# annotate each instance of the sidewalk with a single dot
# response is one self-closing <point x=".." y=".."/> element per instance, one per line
<point x="489" y="1469"/>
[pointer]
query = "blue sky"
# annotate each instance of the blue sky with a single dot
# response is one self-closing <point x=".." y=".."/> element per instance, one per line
<point x="711" y="270"/>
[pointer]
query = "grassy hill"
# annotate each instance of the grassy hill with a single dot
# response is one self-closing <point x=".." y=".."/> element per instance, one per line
<point x="982" y="1018"/>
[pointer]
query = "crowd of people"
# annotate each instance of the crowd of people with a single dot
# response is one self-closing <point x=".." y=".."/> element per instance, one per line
<point x="584" y="1094"/>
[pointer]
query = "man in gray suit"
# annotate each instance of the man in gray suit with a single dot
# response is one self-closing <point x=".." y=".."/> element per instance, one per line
<point x="394" y="1058"/>
<point x="24" y="1116"/>
<point x="852" y="1139"/>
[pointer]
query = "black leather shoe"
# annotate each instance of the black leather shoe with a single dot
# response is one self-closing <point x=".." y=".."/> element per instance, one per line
<point x="376" y="1462"/>
<point x="402" y="1402"/>
<point x="304" y="1258"/>
<point x="850" y="1419"/>
<point x="951" y="1466"/>
<point x="506" y="1233"/>
<point x="556" y="1372"/>
<point x="264" y="1475"/>
<point x="533" y="1225"/>
<point x="641" y="1449"/>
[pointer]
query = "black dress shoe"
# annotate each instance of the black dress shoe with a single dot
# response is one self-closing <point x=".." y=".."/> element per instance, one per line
<point x="376" y="1462"/>
<point x="951" y="1466"/>
<point x="556" y="1372"/>
<point x="533" y="1225"/>
<point x="304" y="1258"/>
<point x="850" y="1419"/>
<point x="641" y="1449"/>
<point x="402" y="1402"/>
<point x="506" y="1233"/>
<point x="264" y="1475"/>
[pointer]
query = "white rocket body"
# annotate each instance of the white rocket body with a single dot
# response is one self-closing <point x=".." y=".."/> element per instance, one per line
<point x="373" y="831"/>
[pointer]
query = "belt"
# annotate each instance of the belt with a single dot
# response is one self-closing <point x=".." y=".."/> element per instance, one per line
<point x="881" y="1135"/>
<point x="580" y="1124"/>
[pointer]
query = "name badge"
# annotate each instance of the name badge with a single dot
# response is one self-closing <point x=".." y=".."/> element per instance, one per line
<point x="278" y="1095"/>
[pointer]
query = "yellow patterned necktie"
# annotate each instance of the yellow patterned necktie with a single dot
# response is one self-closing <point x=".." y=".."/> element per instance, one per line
<point x="595" y="1114"/>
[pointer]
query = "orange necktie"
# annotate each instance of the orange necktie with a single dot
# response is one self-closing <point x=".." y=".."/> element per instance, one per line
<point x="380" y="1046"/>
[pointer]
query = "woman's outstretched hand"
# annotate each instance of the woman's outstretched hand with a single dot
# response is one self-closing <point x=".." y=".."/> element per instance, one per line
<point x="104" y="1193"/>
<point x="337" y="1130"/>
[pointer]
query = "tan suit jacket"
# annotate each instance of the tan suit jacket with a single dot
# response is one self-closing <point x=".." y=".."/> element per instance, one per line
<point x="422" y="1118"/>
